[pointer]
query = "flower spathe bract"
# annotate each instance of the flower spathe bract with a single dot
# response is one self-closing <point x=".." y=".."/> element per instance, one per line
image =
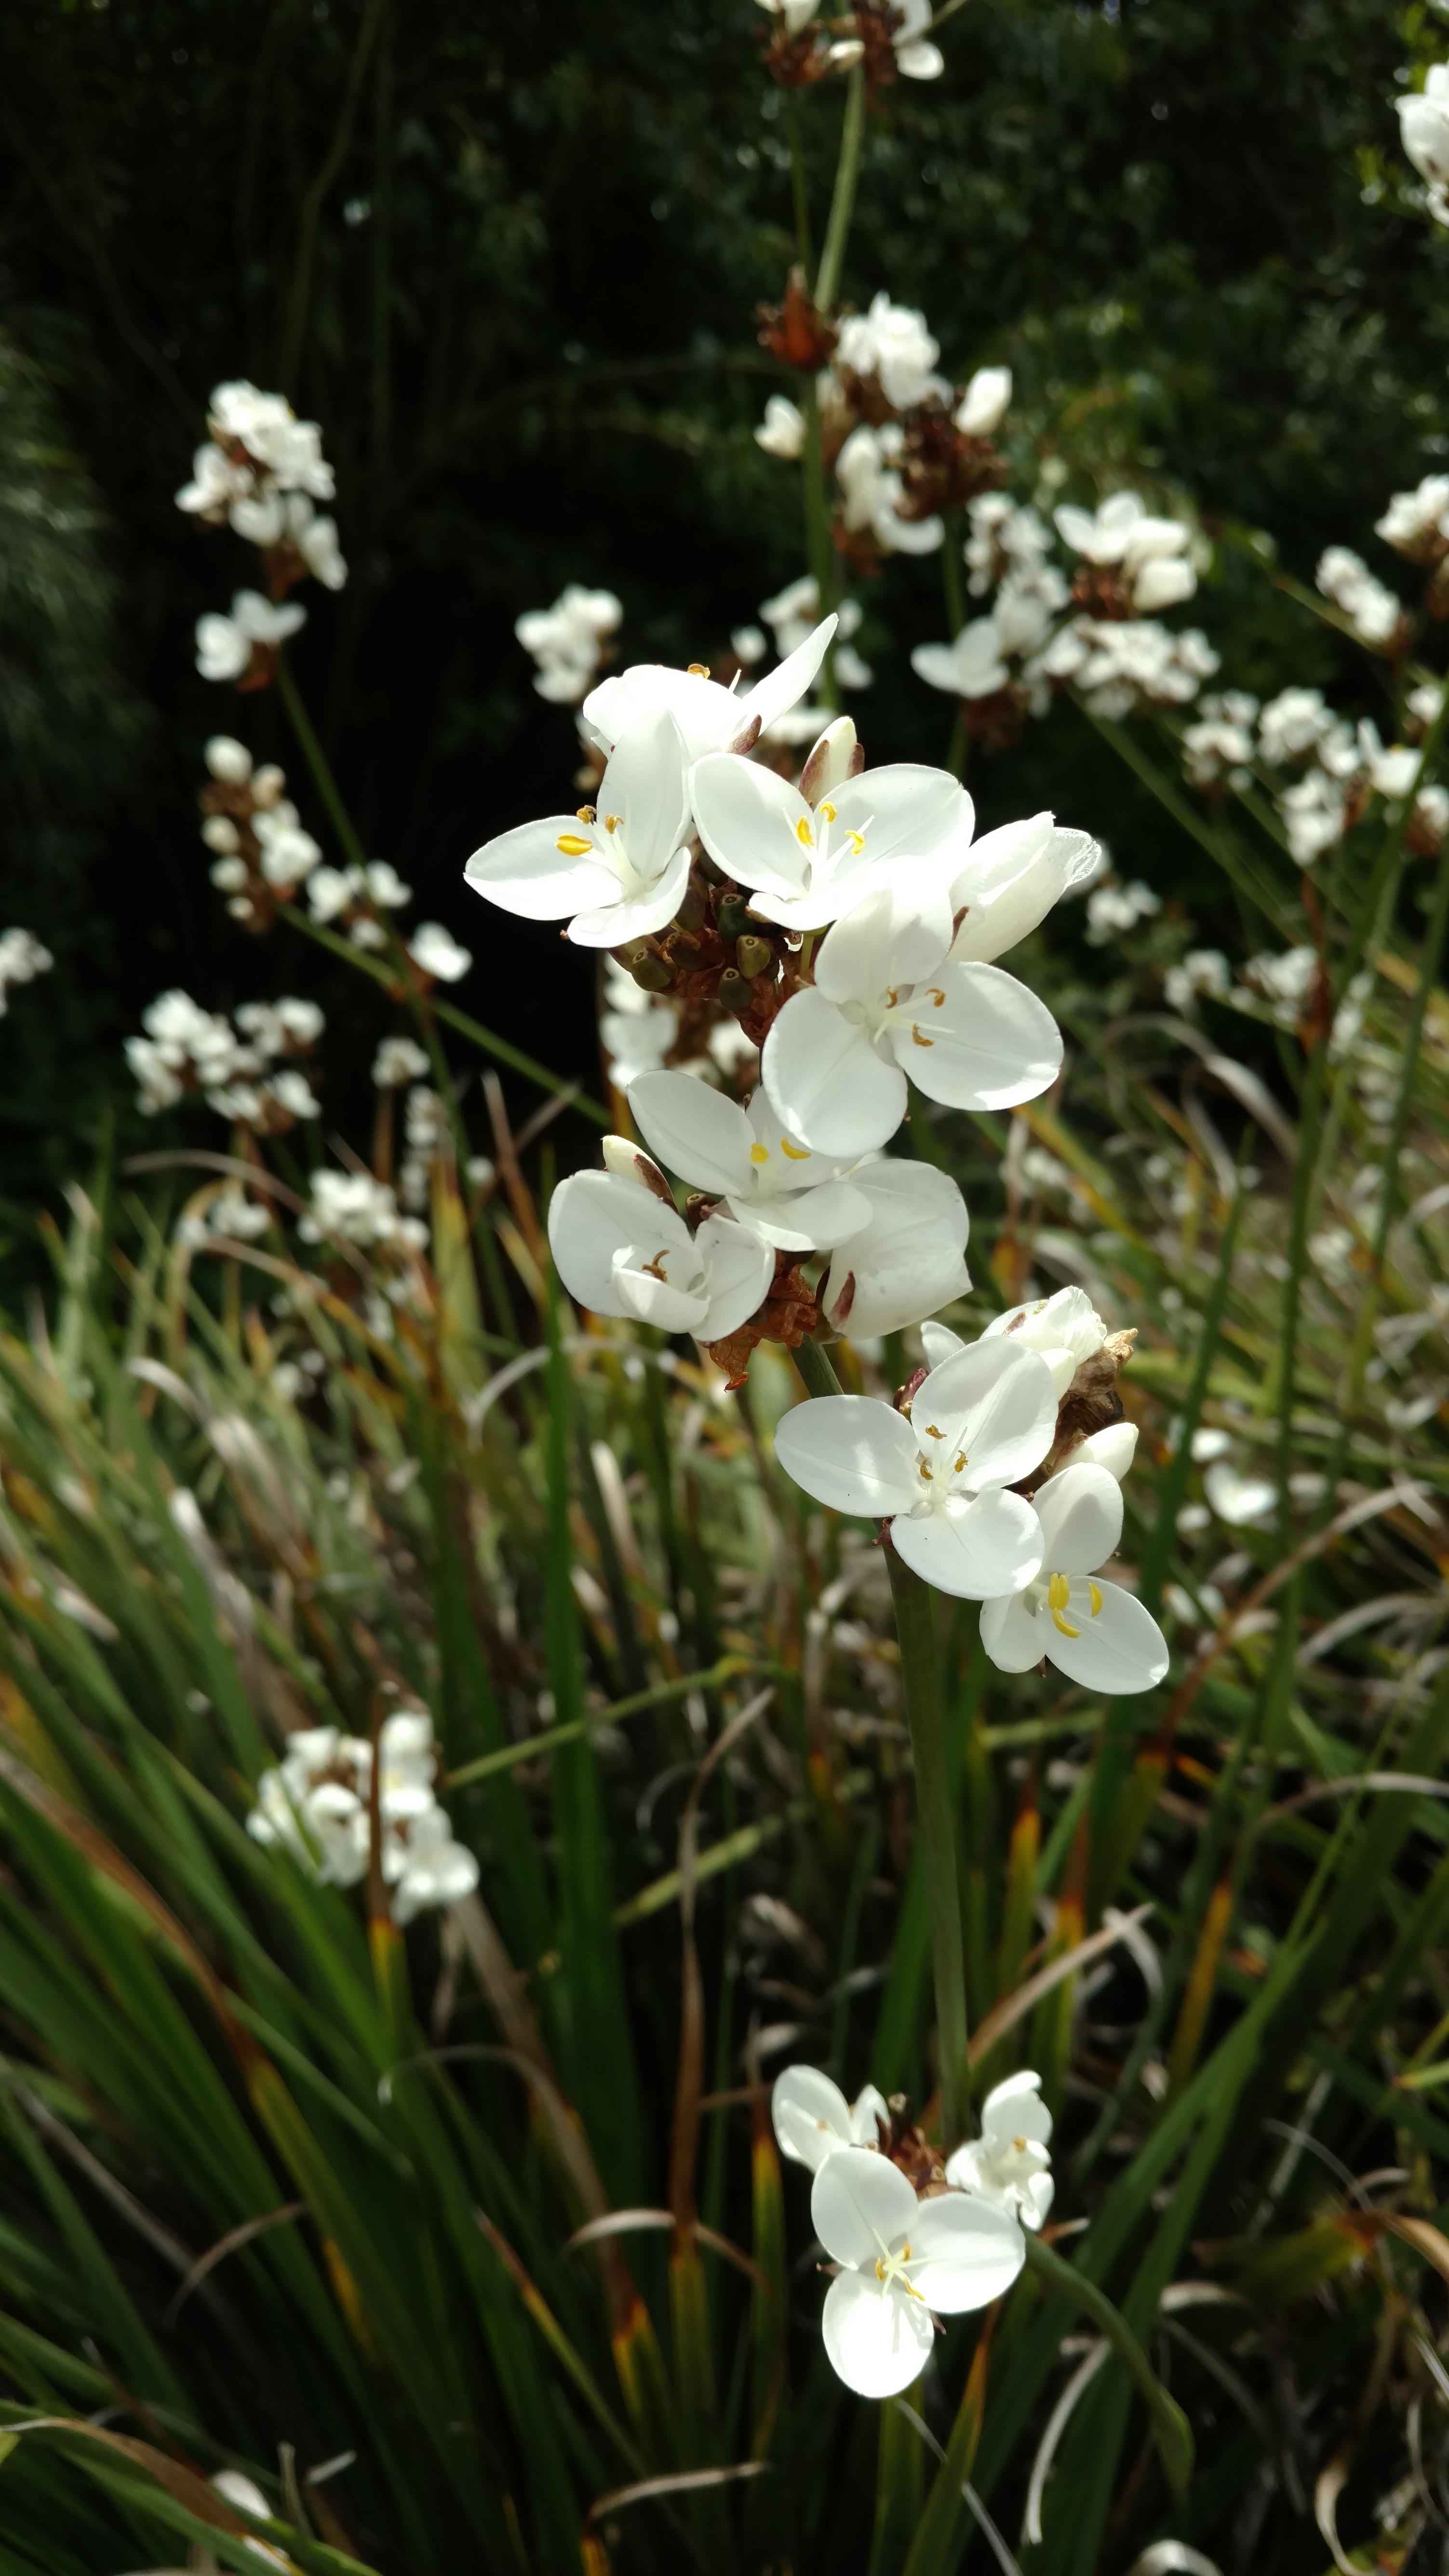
<point x="1095" y="1633"/>
<point x="620" y="869"/>
<point x="709" y="718"/>
<point x="808" y="861"/>
<point x="783" y="1193"/>
<point x="885" y="1003"/>
<point x="978" y="1423"/>
<point x="813" y="2119"/>
<point x="1009" y="2163"/>
<point x="901" y="2258"/>
<point x="623" y="1250"/>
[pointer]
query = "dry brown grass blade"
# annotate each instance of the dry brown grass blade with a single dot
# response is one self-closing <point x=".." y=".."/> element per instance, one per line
<point x="1005" y="2015"/>
<point x="185" y="2485"/>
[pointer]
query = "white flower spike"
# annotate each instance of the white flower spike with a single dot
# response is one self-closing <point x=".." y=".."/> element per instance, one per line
<point x="709" y="717"/>
<point x="622" y="1249"/>
<point x="809" y="862"/>
<point x="1009" y="2163"/>
<point x="813" y="2119"/>
<point x="977" y="1424"/>
<point x="885" y="1003"/>
<point x="1095" y="1633"/>
<point x="620" y="869"/>
<point x="901" y="2259"/>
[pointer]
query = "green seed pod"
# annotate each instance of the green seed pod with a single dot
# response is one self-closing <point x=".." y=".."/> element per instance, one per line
<point x="652" y="975"/>
<point x="693" y="911"/>
<point x="732" y="916"/>
<point x="734" y="992"/>
<point x="753" y="955"/>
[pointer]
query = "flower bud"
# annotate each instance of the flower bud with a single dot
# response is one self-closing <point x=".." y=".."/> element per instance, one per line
<point x="631" y="1163"/>
<point x="753" y="956"/>
<point x="268" y="784"/>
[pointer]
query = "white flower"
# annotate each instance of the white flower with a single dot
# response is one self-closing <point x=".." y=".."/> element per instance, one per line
<point x="622" y="1248"/>
<point x="1414" y="522"/>
<point x="1216" y="747"/>
<point x="329" y="892"/>
<point x="1291" y="724"/>
<point x="228" y="759"/>
<point x="1115" y="908"/>
<point x="621" y="871"/>
<point x="972" y="667"/>
<point x="360" y="1210"/>
<point x="224" y="645"/>
<point x="1009" y="2162"/>
<point x="321" y="553"/>
<point x="267" y="427"/>
<point x="436" y="1870"/>
<point x="807" y="863"/>
<point x="813" y="2119"/>
<point x="438" y="953"/>
<point x="1005" y="538"/>
<point x="782" y="431"/>
<point x="294" y="1093"/>
<point x="288" y="853"/>
<point x="398" y="1060"/>
<point x="22" y="958"/>
<point x="1011" y="878"/>
<point x="908" y="1259"/>
<point x="1315" y="816"/>
<point x="1095" y="1633"/>
<point x="568" y="640"/>
<point x="1244" y="1502"/>
<point x="245" y="2496"/>
<point x="1372" y="610"/>
<point x="901" y="2258"/>
<point x="917" y="59"/>
<point x="780" y="1192"/>
<point x="1065" y="1330"/>
<point x="872" y="491"/>
<point x="709" y="717"/>
<point x="1424" y="126"/>
<point x="985" y="403"/>
<point x="890" y="342"/>
<point x="1203" y="970"/>
<point x="886" y="1002"/>
<point x="793" y="14"/>
<point x="977" y="1424"/>
<point x="1152" y="552"/>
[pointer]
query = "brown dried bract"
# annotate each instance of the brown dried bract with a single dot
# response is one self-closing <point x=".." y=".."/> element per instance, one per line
<point x="797" y="332"/>
<point x="789" y="1314"/>
<point x="1092" y="1403"/>
<point x="942" y="469"/>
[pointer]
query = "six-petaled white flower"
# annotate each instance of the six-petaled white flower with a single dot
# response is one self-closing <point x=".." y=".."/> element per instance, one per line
<point x="1095" y="1633"/>
<point x="886" y="1002"/>
<point x="902" y="2259"/>
<point x="808" y="861"/>
<point x="977" y="1424"/>
<point x="1009" y="2163"/>
<point x="780" y="1191"/>
<point x="813" y="2119"/>
<point x="622" y="1248"/>
<point x="619" y="868"/>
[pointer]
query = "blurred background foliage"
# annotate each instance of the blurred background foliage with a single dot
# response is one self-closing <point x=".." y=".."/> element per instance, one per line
<point x="509" y="258"/>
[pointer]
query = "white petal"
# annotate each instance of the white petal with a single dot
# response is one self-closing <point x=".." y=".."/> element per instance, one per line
<point x="1238" y="1499"/>
<point x="965" y="2252"/>
<point x="867" y="2112"/>
<point x="939" y="1344"/>
<point x="738" y="1271"/>
<point x="1041" y="2192"/>
<point x="860" y="2205"/>
<point x="747" y="820"/>
<point x="1014" y="1636"/>
<point x="988" y="1044"/>
<point x="1120" y="1650"/>
<point x="835" y="1093"/>
<point x="896" y="935"/>
<point x="525" y="872"/>
<point x="905" y="812"/>
<point x="1114" y="1449"/>
<point x="804" y="1220"/>
<point x="702" y="1136"/>
<point x="852" y="1452"/>
<point x="663" y="1302"/>
<point x="877" y="2340"/>
<point x="909" y="1258"/>
<point x="783" y="687"/>
<point x="645" y="784"/>
<point x="708" y="716"/>
<point x="811" y="2115"/>
<point x="1011" y="880"/>
<point x="920" y="62"/>
<point x="973" y="1550"/>
<point x="1081" y="1519"/>
<point x="1016" y="2108"/>
<point x="1006" y="1408"/>
<point x="633" y="917"/>
<point x="590" y="1218"/>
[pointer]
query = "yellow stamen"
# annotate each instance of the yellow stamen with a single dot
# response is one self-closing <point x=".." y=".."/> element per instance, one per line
<point x="826" y="813"/>
<point x="890" y="997"/>
<point x="572" y="846"/>
<point x="1058" y="1593"/>
<point x="588" y="813"/>
<point x="611" y="822"/>
<point x="699" y="670"/>
<point x="803" y="833"/>
<point x="1018" y="2143"/>
<point x="856" y="841"/>
<point x="959" y="1464"/>
<point x="1094" y="1595"/>
<point x="917" y="1039"/>
<point x="887" y="2268"/>
<point x="935" y="996"/>
<point x="924" y="1472"/>
<point x="759" y="1153"/>
<point x="934" y="1431"/>
<point x="796" y="1153"/>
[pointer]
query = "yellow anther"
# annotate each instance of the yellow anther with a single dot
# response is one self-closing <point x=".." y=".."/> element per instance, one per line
<point x="891" y="997"/>
<point x="958" y="1463"/>
<point x="934" y="1431"/>
<point x="572" y="846"/>
<point x="588" y="813"/>
<point x="924" y="1472"/>
<point x="699" y="670"/>
<point x="803" y="833"/>
<point x="826" y="813"/>
<point x="1058" y="1595"/>
<point x="611" y="822"/>
<point x="1018" y="2143"/>
<point x="935" y="996"/>
<point x="1094" y="1595"/>
<point x="759" y="1153"/>
<point x="856" y="841"/>
<point x="796" y="1153"/>
<point x="917" y="1039"/>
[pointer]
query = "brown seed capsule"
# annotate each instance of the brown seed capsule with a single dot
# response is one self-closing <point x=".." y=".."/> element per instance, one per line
<point x="753" y="955"/>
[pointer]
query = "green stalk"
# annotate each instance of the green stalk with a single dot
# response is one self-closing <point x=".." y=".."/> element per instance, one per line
<point x="319" y="764"/>
<point x="842" y="202"/>
<point x="797" y="184"/>
<point x="1170" y="2429"/>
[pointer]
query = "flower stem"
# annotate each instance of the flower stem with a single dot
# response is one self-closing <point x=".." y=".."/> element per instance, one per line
<point x="797" y="184"/>
<point x="916" y="1628"/>
<point x="842" y="202"/>
<point x="321" y="768"/>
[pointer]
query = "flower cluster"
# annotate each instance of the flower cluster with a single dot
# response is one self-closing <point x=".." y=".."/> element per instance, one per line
<point x="262" y="852"/>
<point x="262" y="473"/>
<point x="998" y="1474"/>
<point x="909" y="2235"/>
<point x="569" y="641"/>
<point x="1424" y="133"/>
<point x="1096" y="630"/>
<point x="887" y="42"/>
<point x="352" y="1207"/>
<point x="903" y="444"/>
<point x="247" y="1069"/>
<point x="317" y="1805"/>
<point x="22" y="958"/>
<point x="1322" y="771"/>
